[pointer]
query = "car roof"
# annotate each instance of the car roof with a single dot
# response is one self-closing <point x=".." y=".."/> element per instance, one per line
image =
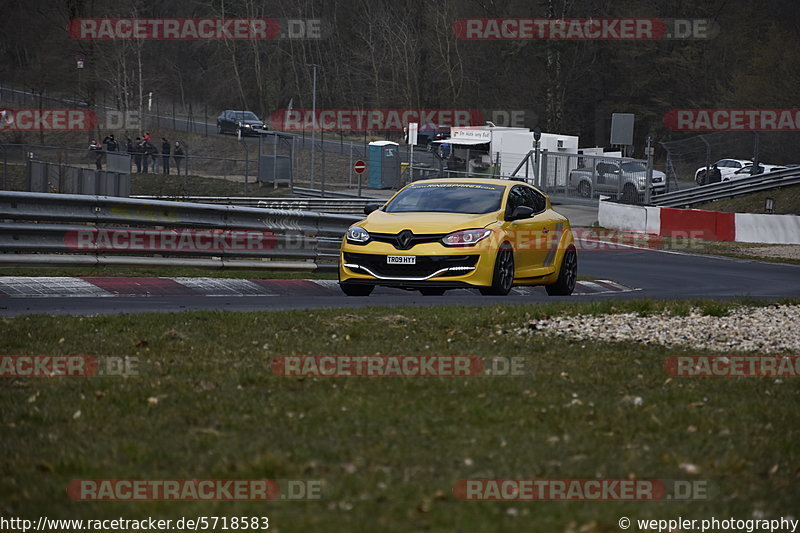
<point x="484" y="181"/>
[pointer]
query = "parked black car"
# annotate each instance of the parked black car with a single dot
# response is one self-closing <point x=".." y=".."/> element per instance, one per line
<point x="231" y="121"/>
<point x="431" y="132"/>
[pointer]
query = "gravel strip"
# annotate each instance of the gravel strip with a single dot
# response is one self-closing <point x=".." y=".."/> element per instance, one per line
<point x="784" y="251"/>
<point x="772" y="329"/>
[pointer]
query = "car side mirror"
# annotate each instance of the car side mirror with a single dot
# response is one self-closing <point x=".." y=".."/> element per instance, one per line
<point x="520" y="212"/>
<point x="369" y="208"/>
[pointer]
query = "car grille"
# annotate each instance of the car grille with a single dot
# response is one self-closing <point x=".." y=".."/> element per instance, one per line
<point x="425" y="266"/>
<point x="405" y="240"/>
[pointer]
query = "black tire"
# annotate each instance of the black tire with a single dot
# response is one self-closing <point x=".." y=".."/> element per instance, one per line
<point x="567" y="275"/>
<point x="432" y="291"/>
<point x="701" y="177"/>
<point x="585" y="189"/>
<point x="503" y="278"/>
<point x="354" y="289"/>
<point x="629" y="194"/>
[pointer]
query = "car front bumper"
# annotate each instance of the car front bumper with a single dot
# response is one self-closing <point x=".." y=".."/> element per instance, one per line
<point x="435" y="265"/>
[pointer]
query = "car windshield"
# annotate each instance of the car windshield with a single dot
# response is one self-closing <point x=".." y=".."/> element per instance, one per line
<point x="246" y="115"/>
<point x="472" y="198"/>
<point x="633" y="166"/>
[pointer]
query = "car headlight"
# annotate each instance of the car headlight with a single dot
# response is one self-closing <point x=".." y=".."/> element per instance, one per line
<point x="357" y="235"/>
<point x="467" y="237"/>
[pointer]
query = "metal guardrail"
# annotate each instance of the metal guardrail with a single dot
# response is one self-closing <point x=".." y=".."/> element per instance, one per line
<point x="729" y="189"/>
<point x="318" y="193"/>
<point x="42" y="223"/>
<point x="348" y="206"/>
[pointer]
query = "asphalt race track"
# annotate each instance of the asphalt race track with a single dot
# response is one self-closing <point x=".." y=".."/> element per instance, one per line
<point x="645" y="274"/>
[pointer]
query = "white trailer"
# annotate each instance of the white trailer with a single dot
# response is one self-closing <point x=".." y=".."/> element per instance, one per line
<point x="486" y="145"/>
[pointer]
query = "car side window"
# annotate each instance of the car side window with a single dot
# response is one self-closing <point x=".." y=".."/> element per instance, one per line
<point x="522" y="195"/>
<point x="534" y="200"/>
<point x="516" y="198"/>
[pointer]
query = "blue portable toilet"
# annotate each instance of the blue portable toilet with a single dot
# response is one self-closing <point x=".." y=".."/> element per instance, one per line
<point x="384" y="165"/>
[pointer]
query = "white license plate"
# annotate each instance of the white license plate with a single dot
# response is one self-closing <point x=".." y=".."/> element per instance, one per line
<point x="401" y="260"/>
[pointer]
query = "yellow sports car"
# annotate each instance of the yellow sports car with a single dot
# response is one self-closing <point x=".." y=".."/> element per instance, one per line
<point x="448" y="233"/>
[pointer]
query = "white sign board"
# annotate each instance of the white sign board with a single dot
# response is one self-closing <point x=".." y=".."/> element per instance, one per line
<point x="413" y="130"/>
<point x="471" y="133"/>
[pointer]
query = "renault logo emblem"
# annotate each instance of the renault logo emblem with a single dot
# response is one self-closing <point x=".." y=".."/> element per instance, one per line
<point x="404" y="239"/>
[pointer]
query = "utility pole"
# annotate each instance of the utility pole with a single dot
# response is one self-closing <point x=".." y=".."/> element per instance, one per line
<point x="648" y="180"/>
<point x="313" y="117"/>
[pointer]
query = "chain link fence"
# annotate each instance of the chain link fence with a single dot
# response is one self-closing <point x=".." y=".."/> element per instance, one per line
<point x="687" y="159"/>
<point x="200" y="175"/>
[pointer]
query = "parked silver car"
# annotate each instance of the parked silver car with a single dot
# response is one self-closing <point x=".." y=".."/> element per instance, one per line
<point x="624" y="180"/>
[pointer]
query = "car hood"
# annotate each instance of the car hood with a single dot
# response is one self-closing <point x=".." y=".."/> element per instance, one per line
<point x="382" y="222"/>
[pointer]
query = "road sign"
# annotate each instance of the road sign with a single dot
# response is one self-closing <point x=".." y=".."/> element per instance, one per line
<point x="360" y="166"/>
<point x="622" y="128"/>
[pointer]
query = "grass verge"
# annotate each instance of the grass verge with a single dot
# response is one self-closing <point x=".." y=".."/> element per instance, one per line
<point x="387" y="451"/>
<point x="171" y="185"/>
<point x="787" y="202"/>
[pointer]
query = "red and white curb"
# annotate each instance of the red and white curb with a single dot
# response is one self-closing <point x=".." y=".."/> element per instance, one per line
<point x="49" y="287"/>
<point x="699" y="224"/>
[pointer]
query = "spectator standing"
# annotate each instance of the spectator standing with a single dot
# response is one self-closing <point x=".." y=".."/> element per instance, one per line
<point x="178" y="155"/>
<point x="111" y="144"/>
<point x="151" y="152"/>
<point x="129" y="148"/>
<point x="165" y="155"/>
<point x="137" y="154"/>
<point x="97" y="150"/>
<point x="144" y="155"/>
<point x="715" y="176"/>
